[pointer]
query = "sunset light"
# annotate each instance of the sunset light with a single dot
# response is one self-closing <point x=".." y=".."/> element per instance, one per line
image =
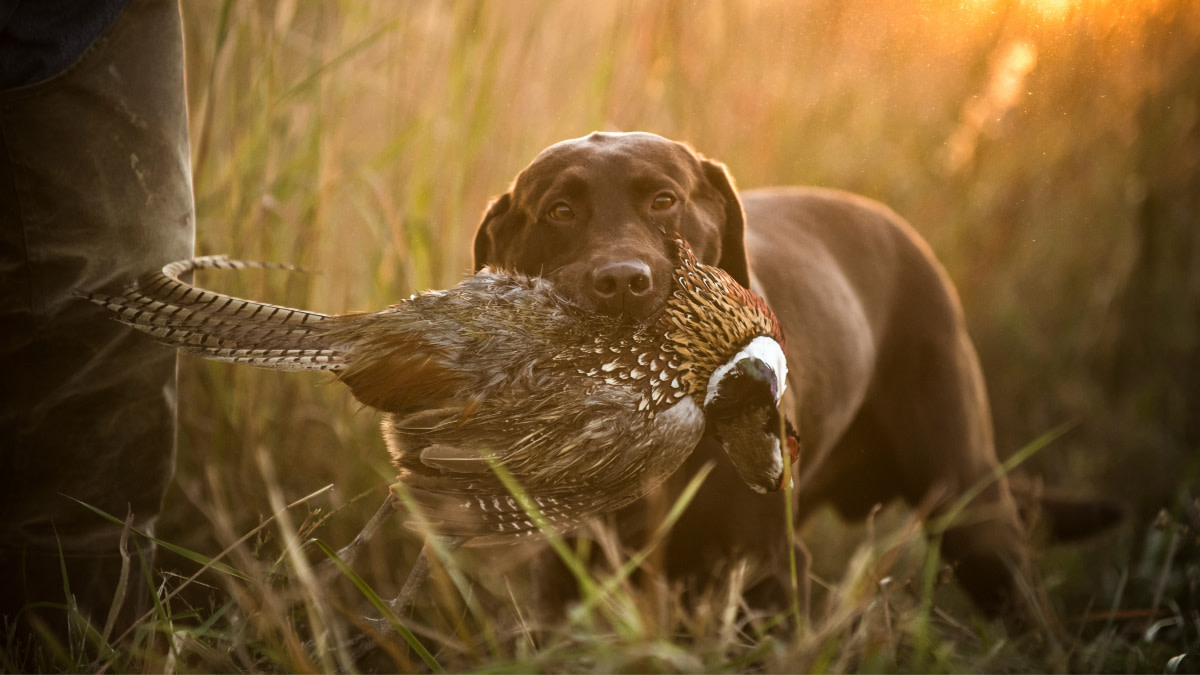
<point x="1063" y="9"/>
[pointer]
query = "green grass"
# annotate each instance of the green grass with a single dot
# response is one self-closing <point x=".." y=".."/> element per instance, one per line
<point x="363" y="140"/>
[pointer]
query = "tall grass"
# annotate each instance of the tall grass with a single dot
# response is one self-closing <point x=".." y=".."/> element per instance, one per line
<point x="362" y="140"/>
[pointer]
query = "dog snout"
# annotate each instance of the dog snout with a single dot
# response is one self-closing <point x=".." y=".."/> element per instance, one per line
<point x="623" y="287"/>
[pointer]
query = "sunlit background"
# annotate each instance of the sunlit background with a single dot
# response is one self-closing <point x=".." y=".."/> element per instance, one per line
<point x="1049" y="150"/>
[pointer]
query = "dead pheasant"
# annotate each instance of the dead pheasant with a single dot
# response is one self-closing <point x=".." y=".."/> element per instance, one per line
<point x="587" y="412"/>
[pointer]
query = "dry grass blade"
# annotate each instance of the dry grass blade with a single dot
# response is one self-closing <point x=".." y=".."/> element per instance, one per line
<point x="123" y="583"/>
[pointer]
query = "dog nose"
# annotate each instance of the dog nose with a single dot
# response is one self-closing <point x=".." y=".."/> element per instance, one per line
<point x="622" y="286"/>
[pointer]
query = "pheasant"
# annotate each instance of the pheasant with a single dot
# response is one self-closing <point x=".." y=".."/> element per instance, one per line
<point x="587" y="412"/>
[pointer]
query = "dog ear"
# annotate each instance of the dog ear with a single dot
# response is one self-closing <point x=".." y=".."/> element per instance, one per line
<point x="483" y="236"/>
<point x="733" y="233"/>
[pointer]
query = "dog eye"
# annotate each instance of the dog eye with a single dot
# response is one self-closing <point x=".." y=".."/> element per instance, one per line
<point x="662" y="201"/>
<point x="561" y="212"/>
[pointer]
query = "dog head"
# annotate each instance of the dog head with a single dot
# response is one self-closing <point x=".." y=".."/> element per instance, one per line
<point x="588" y="214"/>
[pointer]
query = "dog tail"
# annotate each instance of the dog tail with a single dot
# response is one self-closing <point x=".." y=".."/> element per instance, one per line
<point x="1062" y="518"/>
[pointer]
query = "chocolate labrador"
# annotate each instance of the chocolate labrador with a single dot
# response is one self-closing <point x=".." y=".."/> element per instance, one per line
<point x="884" y="389"/>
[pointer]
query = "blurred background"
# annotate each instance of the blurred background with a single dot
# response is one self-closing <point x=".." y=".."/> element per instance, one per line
<point x="1048" y="150"/>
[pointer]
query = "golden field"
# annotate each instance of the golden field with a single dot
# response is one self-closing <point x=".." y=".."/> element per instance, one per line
<point x="1049" y="152"/>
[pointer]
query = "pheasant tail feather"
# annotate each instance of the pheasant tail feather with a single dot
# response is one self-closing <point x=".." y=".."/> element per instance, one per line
<point x="221" y="327"/>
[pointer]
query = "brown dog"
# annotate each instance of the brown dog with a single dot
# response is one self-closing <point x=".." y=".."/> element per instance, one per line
<point x="884" y="386"/>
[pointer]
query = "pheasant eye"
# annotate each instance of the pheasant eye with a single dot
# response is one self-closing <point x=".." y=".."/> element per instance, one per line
<point x="561" y="213"/>
<point x="662" y="201"/>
